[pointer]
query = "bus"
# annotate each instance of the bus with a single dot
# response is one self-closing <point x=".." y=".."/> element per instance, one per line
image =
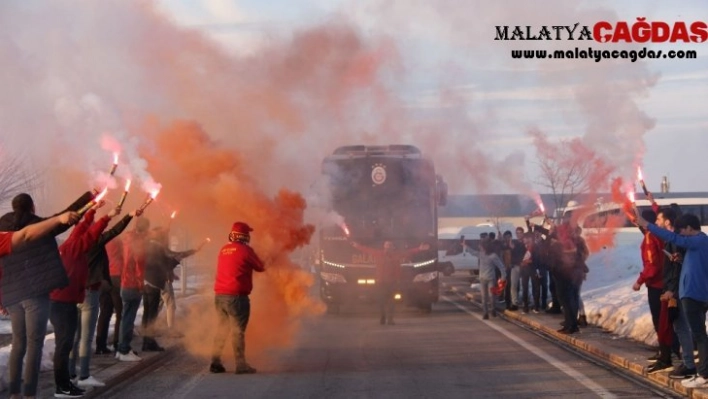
<point x="379" y="193"/>
<point x="609" y="218"/>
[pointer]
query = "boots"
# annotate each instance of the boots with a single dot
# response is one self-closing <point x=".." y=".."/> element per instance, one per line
<point x="582" y="321"/>
<point x="150" y="345"/>
<point x="244" y="368"/>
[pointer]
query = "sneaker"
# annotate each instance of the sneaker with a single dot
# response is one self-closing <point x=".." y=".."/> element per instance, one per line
<point x="695" y="382"/>
<point x="536" y="311"/>
<point x="90" y="382"/>
<point x="216" y="368"/>
<point x="681" y="372"/>
<point x="659" y="366"/>
<point x="245" y="369"/>
<point x="69" y="392"/>
<point x="653" y="358"/>
<point x="128" y="357"/>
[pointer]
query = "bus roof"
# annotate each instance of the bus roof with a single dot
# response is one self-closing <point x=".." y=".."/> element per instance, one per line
<point x="601" y="206"/>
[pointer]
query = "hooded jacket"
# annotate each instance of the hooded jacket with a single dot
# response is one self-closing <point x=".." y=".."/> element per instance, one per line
<point x="133" y="273"/>
<point x="74" y="256"/>
<point x="36" y="269"/>
<point x="653" y="259"/>
<point x="234" y="271"/>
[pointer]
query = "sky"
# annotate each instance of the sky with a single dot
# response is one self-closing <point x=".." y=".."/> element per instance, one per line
<point x="499" y="98"/>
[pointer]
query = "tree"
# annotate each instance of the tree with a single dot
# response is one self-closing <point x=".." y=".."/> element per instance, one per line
<point x="15" y="177"/>
<point x="569" y="169"/>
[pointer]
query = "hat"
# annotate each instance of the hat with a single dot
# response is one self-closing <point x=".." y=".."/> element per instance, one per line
<point x="241" y="228"/>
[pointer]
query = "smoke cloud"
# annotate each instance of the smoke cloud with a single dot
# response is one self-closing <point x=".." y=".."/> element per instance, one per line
<point x="230" y="138"/>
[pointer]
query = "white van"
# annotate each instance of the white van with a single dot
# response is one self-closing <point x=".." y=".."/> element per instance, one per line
<point x="458" y="247"/>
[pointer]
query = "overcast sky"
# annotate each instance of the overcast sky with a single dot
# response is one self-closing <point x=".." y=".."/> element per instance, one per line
<point x="504" y="97"/>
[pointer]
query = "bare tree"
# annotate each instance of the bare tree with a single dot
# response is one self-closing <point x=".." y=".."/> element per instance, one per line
<point x="15" y="176"/>
<point x="569" y="169"/>
<point x="499" y="206"/>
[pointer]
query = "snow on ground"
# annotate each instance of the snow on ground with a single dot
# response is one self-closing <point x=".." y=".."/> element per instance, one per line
<point x="609" y="299"/>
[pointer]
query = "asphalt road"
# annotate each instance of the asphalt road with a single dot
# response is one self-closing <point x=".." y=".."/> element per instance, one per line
<point x="450" y="353"/>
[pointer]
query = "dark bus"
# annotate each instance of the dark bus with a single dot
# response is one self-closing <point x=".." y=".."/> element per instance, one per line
<point x="379" y="193"/>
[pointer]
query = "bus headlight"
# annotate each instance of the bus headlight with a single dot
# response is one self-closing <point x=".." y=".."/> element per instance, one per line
<point x="425" y="263"/>
<point x="333" y="278"/>
<point x="425" y="277"/>
<point x="397" y="297"/>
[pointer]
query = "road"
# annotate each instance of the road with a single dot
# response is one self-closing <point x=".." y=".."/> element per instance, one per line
<point x="450" y="353"/>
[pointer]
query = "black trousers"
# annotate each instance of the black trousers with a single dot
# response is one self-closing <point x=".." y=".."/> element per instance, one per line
<point x="64" y="318"/>
<point x="151" y="308"/>
<point x="109" y="302"/>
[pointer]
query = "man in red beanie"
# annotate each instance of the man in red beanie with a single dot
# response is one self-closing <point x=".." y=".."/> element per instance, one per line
<point x="234" y="283"/>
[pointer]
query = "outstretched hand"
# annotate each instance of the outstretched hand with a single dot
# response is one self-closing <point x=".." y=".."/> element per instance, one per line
<point x="424" y="247"/>
<point x="69" y="218"/>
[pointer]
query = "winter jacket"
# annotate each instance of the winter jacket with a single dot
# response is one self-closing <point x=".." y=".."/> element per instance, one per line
<point x="98" y="255"/>
<point x="653" y="259"/>
<point x="160" y="263"/>
<point x="74" y="256"/>
<point x="693" y="282"/>
<point x="672" y="270"/>
<point x="114" y="249"/>
<point x="36" y="269"/>
<point x="234" y="270"/>
<point x="133" y="273"/>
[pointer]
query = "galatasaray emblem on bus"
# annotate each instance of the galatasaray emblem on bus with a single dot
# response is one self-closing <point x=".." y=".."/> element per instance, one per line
<point x="378" y="174"/>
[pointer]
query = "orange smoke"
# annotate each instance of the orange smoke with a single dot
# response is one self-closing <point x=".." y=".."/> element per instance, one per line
<point x="214" y="187"/>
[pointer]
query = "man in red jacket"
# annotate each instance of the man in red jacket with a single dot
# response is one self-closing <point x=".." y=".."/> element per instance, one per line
<point x="652" y="275"/>
<point x="64" y="315"/>
<point x="234" y="283"/>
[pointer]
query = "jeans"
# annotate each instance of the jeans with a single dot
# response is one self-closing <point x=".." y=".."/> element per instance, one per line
<point x="683" y="332"/>
<point x="29" y="328"/>
<point x="233" y="313"/>
<point x="543" y="290"/>
<point x="529" y="275"/>
<point x="168" y="299"/>
<point x="88" y="313"/>
<point x="484" y="286"/>
<point x="695" y="312"/>
<point x="514" y="282"/>
<point x="65" y="318"/>
<point x="131" y="303"/>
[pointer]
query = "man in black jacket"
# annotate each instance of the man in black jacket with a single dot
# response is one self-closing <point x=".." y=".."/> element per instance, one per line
<point x="160" y="262"/>
<point x="29" y="275"/>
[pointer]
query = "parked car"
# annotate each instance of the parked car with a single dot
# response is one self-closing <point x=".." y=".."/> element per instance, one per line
<point x="458" y="247"/>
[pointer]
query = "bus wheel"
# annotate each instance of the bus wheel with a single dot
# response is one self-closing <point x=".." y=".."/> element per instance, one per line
<point x="332" y="308"/>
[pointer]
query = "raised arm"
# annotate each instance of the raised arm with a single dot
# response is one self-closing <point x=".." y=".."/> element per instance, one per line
<point x="43" y="228"/>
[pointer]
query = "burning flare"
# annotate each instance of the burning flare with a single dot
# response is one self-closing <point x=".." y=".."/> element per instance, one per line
<point x="640" y="177"/>
<point x="125" y="193"/>
<point x="115" y="164"/>
<point x="151" y="197"/>
<point x="174" y="213"/>
<point x="93" y="202"/>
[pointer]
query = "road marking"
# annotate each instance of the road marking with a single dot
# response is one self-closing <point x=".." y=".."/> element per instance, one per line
<point x="192" y="383"/>
<point x="576" y="375"/>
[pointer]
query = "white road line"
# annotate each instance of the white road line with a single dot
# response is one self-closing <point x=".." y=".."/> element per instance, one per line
<point x="576" y="375"/>
<point x="187" y="388"/>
